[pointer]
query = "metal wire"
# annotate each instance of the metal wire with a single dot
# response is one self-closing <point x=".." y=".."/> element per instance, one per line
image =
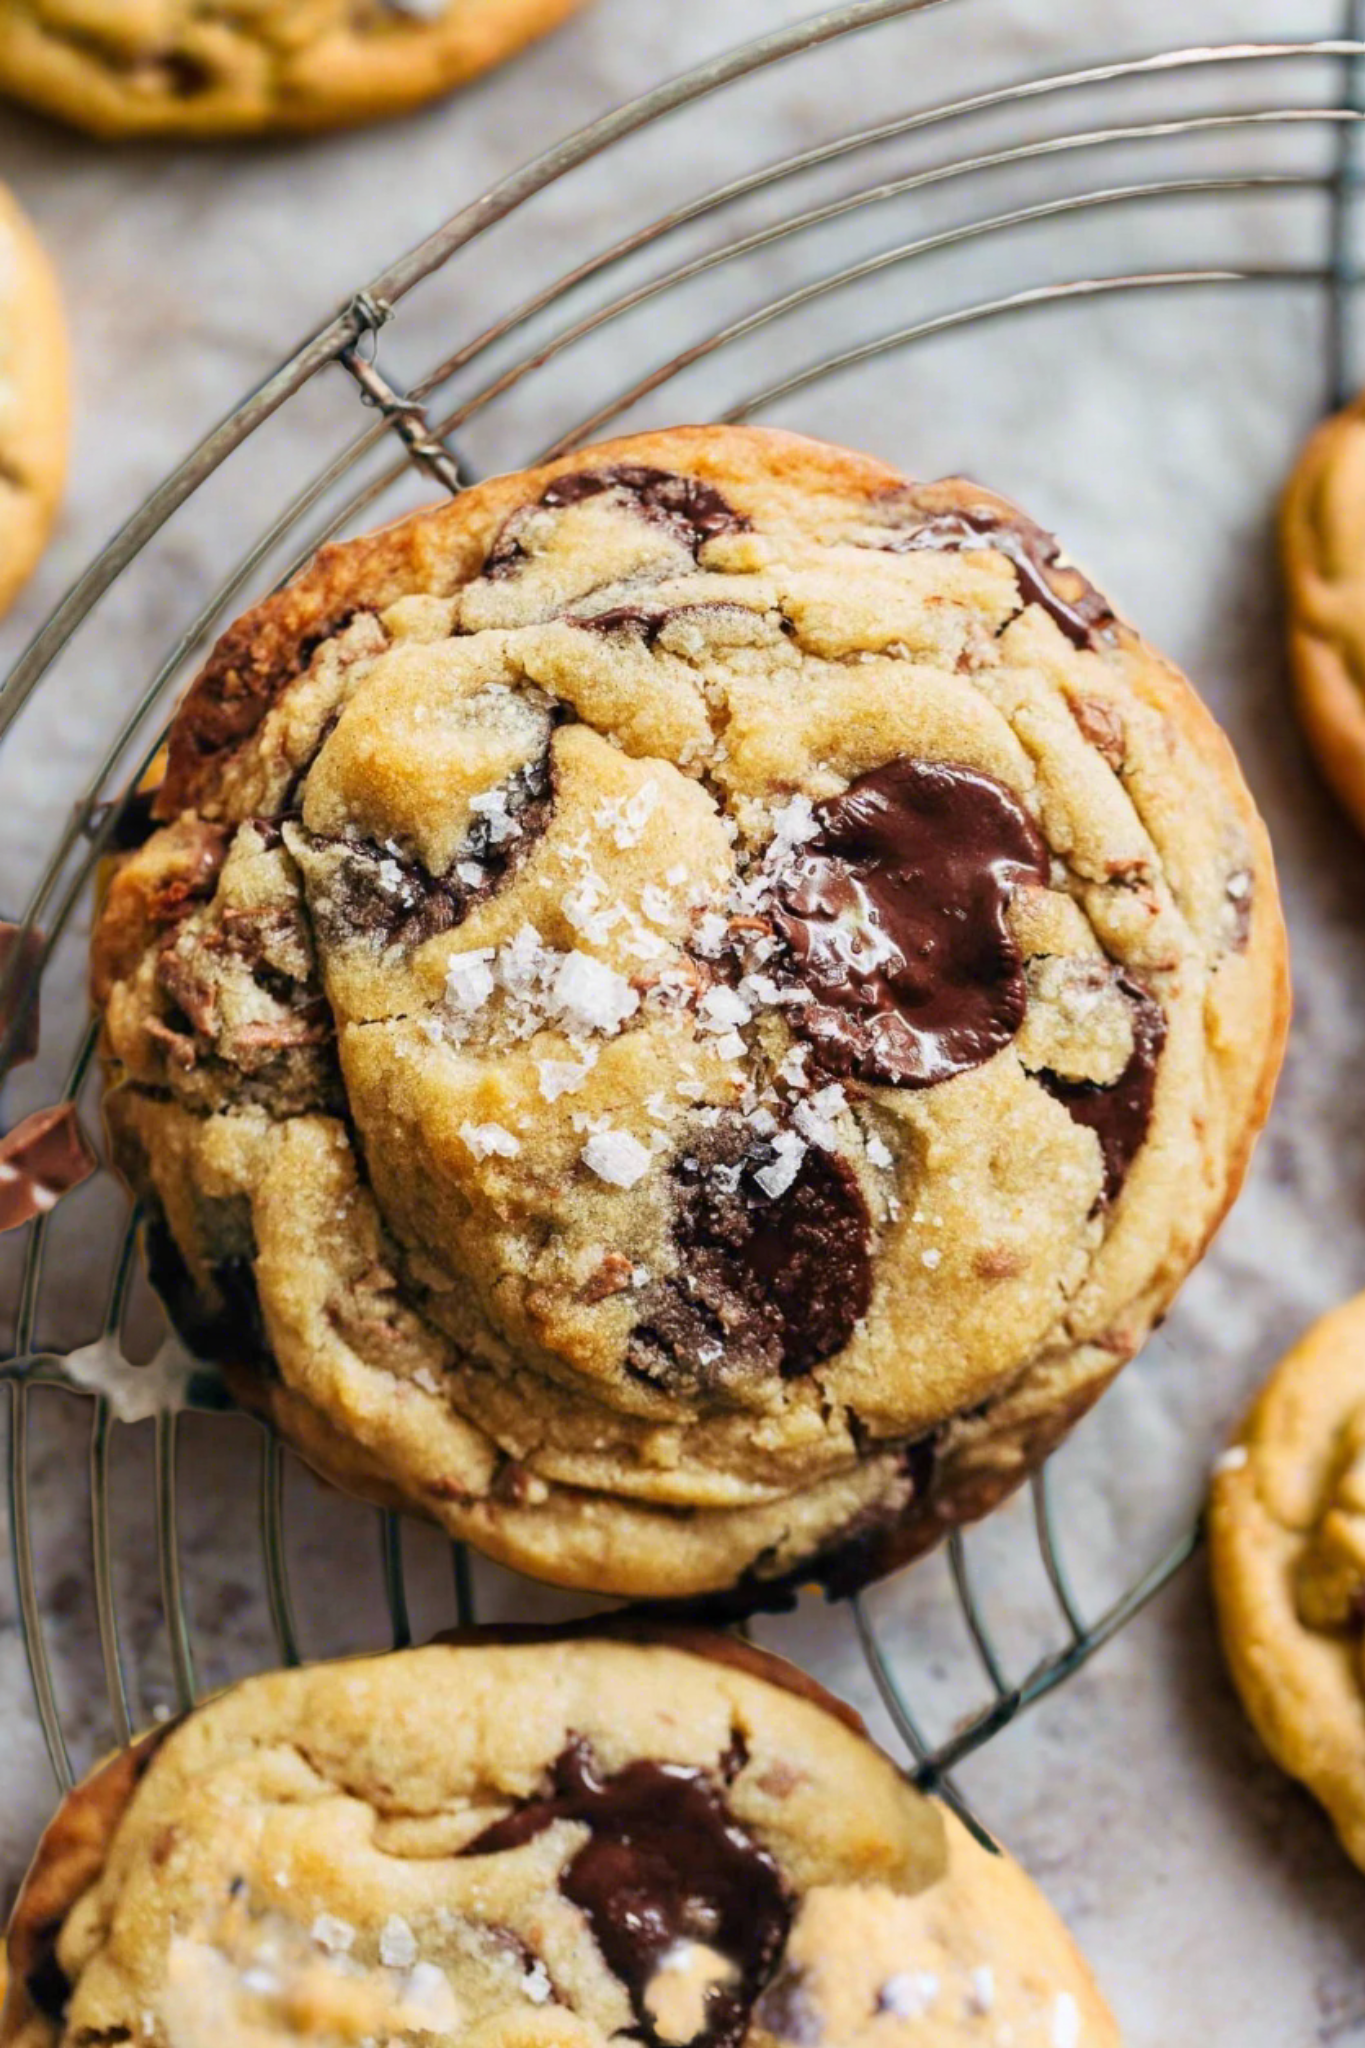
<point x="352" y="341"/>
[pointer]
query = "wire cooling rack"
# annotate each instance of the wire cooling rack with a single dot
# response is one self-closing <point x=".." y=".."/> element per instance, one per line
<point x="650" y="268"/>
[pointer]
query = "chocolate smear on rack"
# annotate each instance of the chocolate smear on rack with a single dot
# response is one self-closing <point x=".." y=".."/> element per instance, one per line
<point x="21" y="954"/>
<point x="894" y="918"/>
<point x="1119" y="1114"/>
<point x="41" y="1160"/>
<point x="665" y="1865"/>
<point x="1043" y="578"/>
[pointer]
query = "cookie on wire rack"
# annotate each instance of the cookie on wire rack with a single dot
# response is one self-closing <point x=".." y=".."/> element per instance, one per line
<point x="689" y="1010"/>
<point x="178" y="67"/>
<point x="531" y="1844"/>
<point x="1287" y="1537"/>
<point x="34" y="399"/>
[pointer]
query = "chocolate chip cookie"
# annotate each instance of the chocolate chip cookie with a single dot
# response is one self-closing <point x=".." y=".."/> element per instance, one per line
<point x="534" y="1844"/>
<point x="688" y="1010"/>
<point x="34" y="401"/>
<point x="1287" y="1528"/>
<point x="1323" y="546"/>
<point x="223" y="67"/>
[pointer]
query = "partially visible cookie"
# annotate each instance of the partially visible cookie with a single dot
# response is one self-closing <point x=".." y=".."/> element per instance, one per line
<point x="220" y="67"/>
<point x="1323" y="543"/>
<point x="33" y="398"/>
<point x="535" y="1843"/>
<point x="1287" y="1525"/>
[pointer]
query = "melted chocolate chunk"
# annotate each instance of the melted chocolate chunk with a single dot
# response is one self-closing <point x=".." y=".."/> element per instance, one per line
<point x="233" y="1327"/>
<point x="21" y="959"/>
<point x="375" y="890"/>
<point x="1064" y="594"/>
<point x="767" y="1285"/>
<point x="1120" y="1114"/>
<point x="128" y="821"/>
<point x="42" y="1159"/>
<point x="47" y="1983"/>
<point x="895" y="922"/>
<point x="626" y="618"/>
<point x="665" y="1862"/>
<point x="692" y="511"/>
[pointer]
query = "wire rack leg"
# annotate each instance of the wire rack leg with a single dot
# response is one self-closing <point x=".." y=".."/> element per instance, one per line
<point x="26" y="1589"/>
<point x="272" y="1545"/>
<point x="168" y="1552"/>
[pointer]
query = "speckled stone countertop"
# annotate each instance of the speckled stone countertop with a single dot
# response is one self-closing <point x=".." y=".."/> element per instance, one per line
<point x="1153" y="429"/>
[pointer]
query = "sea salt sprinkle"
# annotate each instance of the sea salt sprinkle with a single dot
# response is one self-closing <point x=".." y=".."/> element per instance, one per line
<point x="587" y="993"/>
<point x="397" y="1944"/>
<point x="625" y="818"/>
<point x="910" y="1994"/>
<point x="428" y="2002"/>
<point x="485" y="1140"/>
<point x="788" y="1153"/>
<point x="563" y="1077"/>
<point x="616" y="1157"/>
<point x="983" y="1989"/>
<point x="1066" y="2021"/>
<point x="491" y="805"/>
<point x="1232" y="1459"/>
<point x="720" y="1009"/>
<point x="536" y="1985"/>
<point x="336" y="1936"/>
<point x="469" y="979"/>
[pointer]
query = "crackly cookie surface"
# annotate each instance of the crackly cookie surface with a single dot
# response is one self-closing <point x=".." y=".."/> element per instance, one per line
<point x="34" y="402"/>
<point x="215" y="67"/>
<point x="541" y="1844"/>
<point x="689" y="1009"/>
<point x="1287" y="1530"/>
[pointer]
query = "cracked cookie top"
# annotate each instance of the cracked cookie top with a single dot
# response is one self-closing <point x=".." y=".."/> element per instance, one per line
<point x="1287" y="1530"/>
<point x="711" y="965"/>
<point x="220" y="67"/>
<point x="535" y="1844"/>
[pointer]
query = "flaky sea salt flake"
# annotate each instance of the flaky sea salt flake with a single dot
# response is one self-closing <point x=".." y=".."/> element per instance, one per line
<point x="485" y="1140"/>
<point x="335" y="1935"/>
<point x="589" y="994"/>
<point x="564" y="1077"/>
<point x="721" y="1008"/>
<point x="616" y="1157"/>
<point x="469" y="979"/>
<point x="777" y="1177"/>
<point x="397" y="1944"/>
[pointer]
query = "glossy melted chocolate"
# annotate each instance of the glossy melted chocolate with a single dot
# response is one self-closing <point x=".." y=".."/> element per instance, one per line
<point x="895" y="921"/>
<point x="764" y="1284"/>
<point x="1034" y="556"/>
<point x="665" y="1862"/>
<point x="1119" y="1115"/>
